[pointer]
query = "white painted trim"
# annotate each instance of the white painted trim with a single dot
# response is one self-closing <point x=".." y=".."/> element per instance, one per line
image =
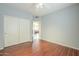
<point x="62" y="44"/>
<point x="1" y="48"/>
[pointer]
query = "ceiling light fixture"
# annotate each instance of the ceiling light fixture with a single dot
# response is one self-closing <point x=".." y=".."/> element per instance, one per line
<point x="39" y="5"/>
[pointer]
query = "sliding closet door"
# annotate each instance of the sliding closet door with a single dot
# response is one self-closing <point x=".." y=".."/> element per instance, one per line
<point x="16" y="30"/>
<point x="10" y="30"/>
<point x="24" y="30"/>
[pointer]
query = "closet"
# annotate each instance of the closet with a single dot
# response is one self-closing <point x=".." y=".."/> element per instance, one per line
<point x="16" y="30"/>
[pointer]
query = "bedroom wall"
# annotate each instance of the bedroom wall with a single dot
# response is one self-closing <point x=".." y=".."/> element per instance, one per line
<point x="62" y="27"/>
<point x="11" y="11"/>
<point x="1" y="32"/>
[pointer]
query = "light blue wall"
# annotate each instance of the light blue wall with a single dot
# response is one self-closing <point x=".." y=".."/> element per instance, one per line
<point x="10" y="11"/>
<point x="62" y="27"/>
<point x="13" y="11"/>
<point x="1" y="32"/>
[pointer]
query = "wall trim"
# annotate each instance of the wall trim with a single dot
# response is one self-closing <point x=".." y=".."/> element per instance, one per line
<point x="62" y="44"/>
<point x="1" y="48"/>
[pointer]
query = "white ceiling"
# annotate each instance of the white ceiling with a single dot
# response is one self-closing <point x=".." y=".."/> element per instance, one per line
<point x="47" y="7"/>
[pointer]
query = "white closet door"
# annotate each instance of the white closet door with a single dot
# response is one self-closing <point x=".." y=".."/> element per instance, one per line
<point x="24" y="31"/>
<point x="10" y="30"/>
<point x="16" y="30"/>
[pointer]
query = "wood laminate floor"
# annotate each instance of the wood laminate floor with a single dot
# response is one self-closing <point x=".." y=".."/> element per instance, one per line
<point x="44" y="48"/>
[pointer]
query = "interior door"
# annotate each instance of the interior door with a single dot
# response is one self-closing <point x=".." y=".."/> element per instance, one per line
<point x="16" y="30"/>
<point x="24" y="30"/>
<point x="10" y="30"/>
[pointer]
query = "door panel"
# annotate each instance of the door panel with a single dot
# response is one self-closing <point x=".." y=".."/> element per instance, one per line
<point x="24" y="30"/>
<point x="16" y="30"/>
<point x="10" y="30"/>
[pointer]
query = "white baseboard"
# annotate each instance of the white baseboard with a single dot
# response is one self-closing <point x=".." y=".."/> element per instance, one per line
<point x="1" y="48"/>
<point x="62" y="44"/>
